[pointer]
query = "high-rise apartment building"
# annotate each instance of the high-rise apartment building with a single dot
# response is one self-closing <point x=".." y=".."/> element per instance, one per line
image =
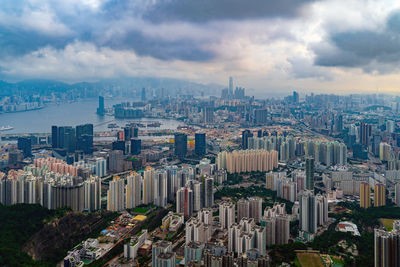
<point x="310" y="173"/>
<point x="160" y="188"/>
<point x="148" y="191"/>
<point x="365" y="195"/>
<point x="158" y="248"/>
<point x="133" y="190"/>
<point x="397" y="193"/>
<point x="184" y="201"/>
<point x="226" y="214"/>
<point x="243" y="209"/>
<point x="379" y="195"/>
<point x="386" y="248"/>
<point x="115" y="194"/>
<point x="308" y="212"/>
<point x="247" y="160"/>
<point x="207" y="115"/>
<point x="255" y="208"/>
<point x="208" y="192"/>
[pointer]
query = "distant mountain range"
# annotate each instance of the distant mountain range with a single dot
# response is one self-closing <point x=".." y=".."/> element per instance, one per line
<point x="46" y="87"/>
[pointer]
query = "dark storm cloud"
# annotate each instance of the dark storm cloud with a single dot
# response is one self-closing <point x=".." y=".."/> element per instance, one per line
<point x="14" y="42"/>
<point x="89" y="26"/>
<point x="209" y="10"/>
<point x="161" y="49"/>
<point x="365" y="49"/>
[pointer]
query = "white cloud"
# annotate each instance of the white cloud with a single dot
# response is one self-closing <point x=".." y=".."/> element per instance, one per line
<point x="262" y="53"/>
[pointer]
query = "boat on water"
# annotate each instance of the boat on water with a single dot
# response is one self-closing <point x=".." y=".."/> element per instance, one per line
<point x="112" y="126"/>
<point x="154" y="124"/>
<point x="6" y="128"/>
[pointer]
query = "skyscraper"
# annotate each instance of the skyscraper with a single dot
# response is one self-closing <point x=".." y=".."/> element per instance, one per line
<point x="365" y="134"/>
<point x="397" y="194"/>
<point x="282" y="229"/>
<point x="245" y="138"/>
<point x="158" y="248"/>
<point x="200" y="144"/>
<point x="295" y="97"/>
<point x="208" y="192"/>
<point x="230" y="92"/>
<point x="135" y="132"/>
<point x="255" y="206"/>
<point x="133" y="190"/>
<point x="143" y="94"/>
<point x="310" y="173"/>
<point x="260" y="116"/>
<point x="160" y="187"/>
<point x="115" y="195"/>
<point x="116" y="161"/>
<point x="69" y="143"/>
<point x="148" y="193"/>
<point x="322" y="209"/>
<point x="84" y="138"/>
<point x="308" y="212"/>
<point x="243" y="209"/>
<point x="365" y="195"/>
<point x="184" y="201"/>
<point x="118" y="145"/>
<point x="54" y="137"/>
<point x="100" y="109"/>
<point x="226" y="214"/>
<point x="180" y="144"/>
<point x="92" y="193"/>
<point x="379" y="195"/>
<point x="25" y="145"/>
<point x="136" y="146"/>
<point x="207" y="115"/>
<point x="386" y="248"/>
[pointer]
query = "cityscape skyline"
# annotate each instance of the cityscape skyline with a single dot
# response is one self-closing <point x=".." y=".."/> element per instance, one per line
<point x="216" y="133"/>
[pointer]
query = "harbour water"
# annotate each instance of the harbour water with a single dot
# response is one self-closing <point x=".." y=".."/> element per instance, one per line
<point x="71" y="114"/>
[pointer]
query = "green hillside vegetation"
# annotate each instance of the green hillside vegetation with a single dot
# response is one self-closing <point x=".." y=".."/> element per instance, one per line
<point x="18" y="223"/>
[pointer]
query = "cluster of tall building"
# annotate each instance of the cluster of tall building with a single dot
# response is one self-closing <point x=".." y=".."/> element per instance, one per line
<point x="290" y="187"/>
<point x="247" y="160"/>
<point x="229" y="93"/>
<point x="180" y="144"/>
<point x="277" y="224"/>
<point x="249" y="208"/>
<point x="200" y="229"/>
<point x="246" y="235"/>
<point x="387" y="246"/>
<point x="195" y="195"/>
<point x="52" y="185"/>
<point x="313" y="213"/>
<point x="289" y="147"/>
<point x="191" y="188"/>
<point x="66" y="139"/>
<point x="128" y="141"/>
<point x="249" y="230"/>
<point x="95" y="165"/>
<point x="379" y="195"/>
<point x="327" y="153"/>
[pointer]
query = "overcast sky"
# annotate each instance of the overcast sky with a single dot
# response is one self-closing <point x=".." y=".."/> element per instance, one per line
<point x="338" y="46"/>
